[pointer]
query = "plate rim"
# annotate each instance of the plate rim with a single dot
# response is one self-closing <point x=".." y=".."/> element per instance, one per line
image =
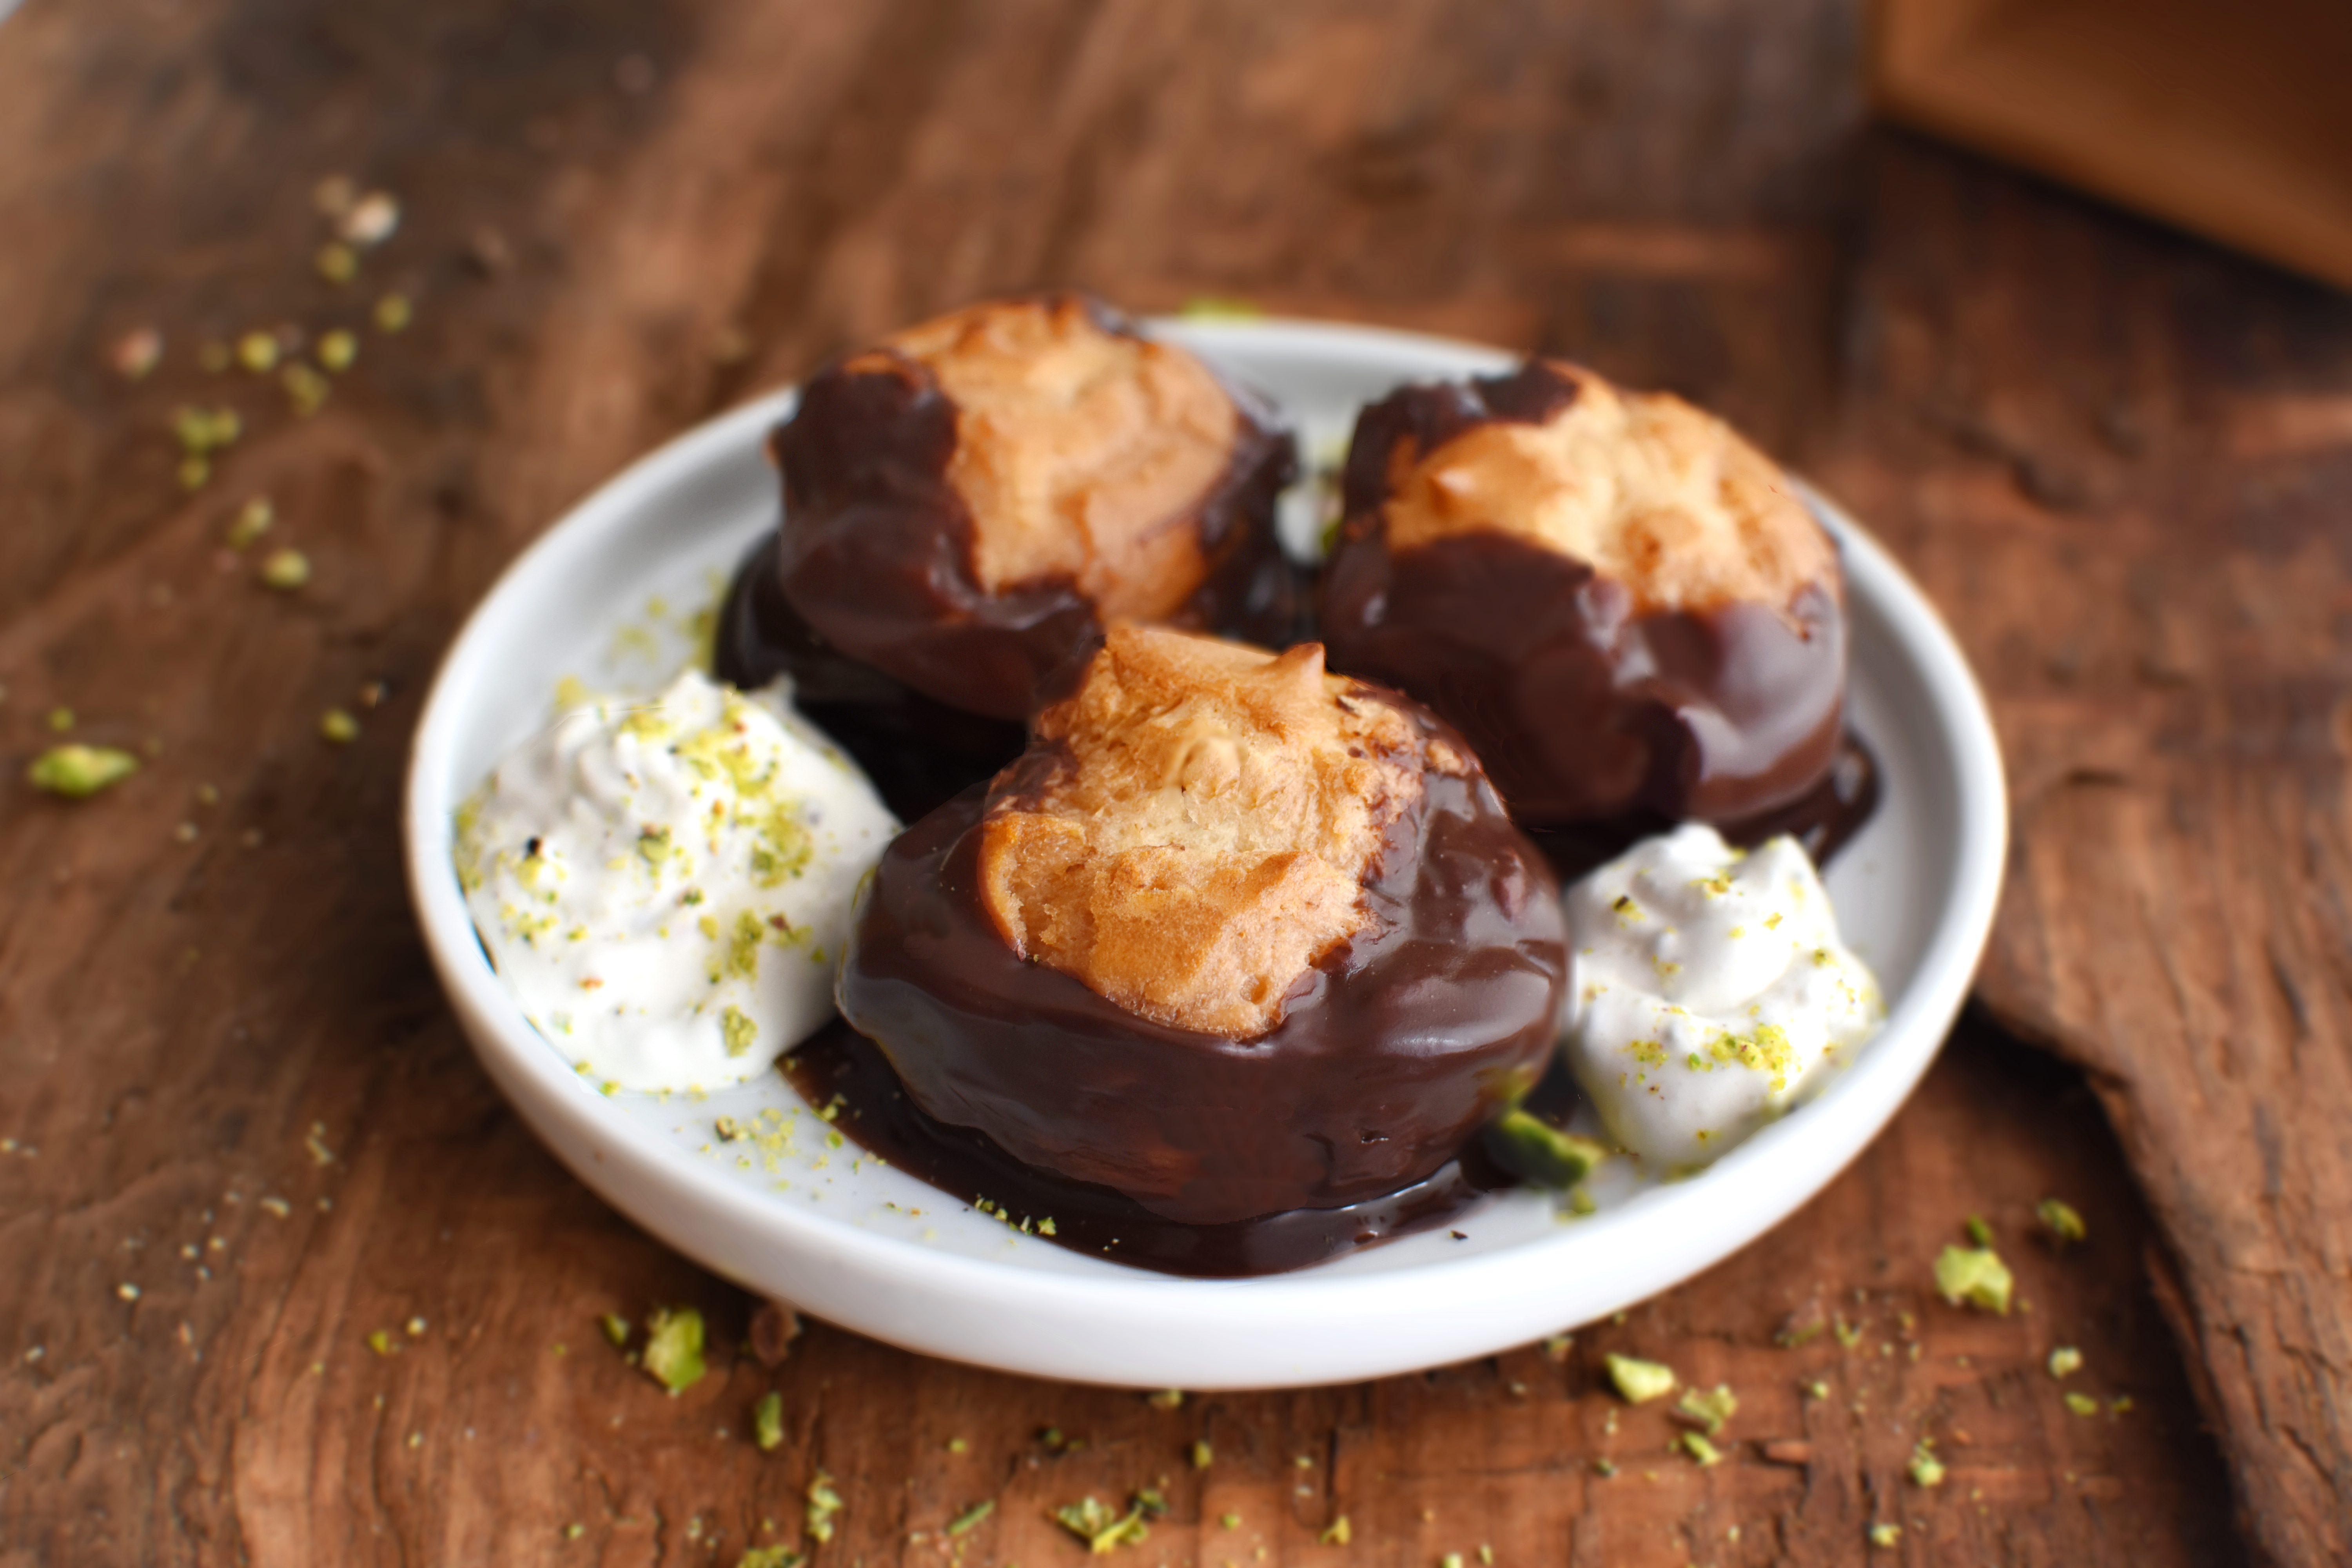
<point x="634" y="1168"/>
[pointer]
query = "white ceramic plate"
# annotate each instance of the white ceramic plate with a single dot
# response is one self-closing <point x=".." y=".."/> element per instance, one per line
<point x="606" y="597"/>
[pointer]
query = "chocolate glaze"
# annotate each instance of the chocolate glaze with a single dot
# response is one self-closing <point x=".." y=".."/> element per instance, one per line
<point x="1434" y="412"/>
<point x="875" y="553"/>
<point x="877" y="1113"/>
<point x="1392" y="1052"/>
<point x="1580" y="707"/>
<point x="1822" y="819"/>
<point x="920" y="752"/>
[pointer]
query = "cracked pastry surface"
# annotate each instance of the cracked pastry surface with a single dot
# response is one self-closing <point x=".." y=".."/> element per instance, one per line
<point x="1206" y="828"/>
<point x="1077" y="448"/>
<point x="1661" y="497"/>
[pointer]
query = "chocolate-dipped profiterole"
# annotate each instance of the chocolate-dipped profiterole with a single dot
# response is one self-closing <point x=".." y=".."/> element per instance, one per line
<point x="1233" y="937"/>
<point x="969" y="500"/>
<point x="1621" y="602"/>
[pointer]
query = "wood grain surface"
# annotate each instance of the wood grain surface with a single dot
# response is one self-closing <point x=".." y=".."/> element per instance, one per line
<point x="243" y="1134"/>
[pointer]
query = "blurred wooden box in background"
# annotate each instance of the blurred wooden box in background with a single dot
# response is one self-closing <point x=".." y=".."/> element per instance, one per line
<point x="2229" y="118"/>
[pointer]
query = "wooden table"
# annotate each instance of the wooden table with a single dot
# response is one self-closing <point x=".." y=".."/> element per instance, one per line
<point x="243" y="1134"/>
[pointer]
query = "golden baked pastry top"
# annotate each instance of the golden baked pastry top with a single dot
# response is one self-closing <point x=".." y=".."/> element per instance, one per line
<point x="1081" y="454"/>
<point x="1666" y="499"/>
<point x="1209" y="827"/>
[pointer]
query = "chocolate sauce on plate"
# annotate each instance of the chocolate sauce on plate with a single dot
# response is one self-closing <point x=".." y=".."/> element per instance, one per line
<point x="876" y="1114"/>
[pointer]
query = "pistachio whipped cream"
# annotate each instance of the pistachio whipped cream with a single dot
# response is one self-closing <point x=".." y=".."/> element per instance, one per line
<point x="1708" y="992"/>
<point x="665" y="882"/>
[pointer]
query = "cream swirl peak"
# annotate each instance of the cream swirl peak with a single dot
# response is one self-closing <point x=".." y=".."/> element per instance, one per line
<point x="1708" y="991"/>
<point x="665" y="884"/>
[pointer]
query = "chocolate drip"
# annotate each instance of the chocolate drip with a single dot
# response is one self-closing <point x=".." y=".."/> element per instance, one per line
<point x="1389" y="1055"/>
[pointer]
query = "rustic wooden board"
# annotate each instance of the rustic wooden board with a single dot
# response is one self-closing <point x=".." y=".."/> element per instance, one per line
<point x="2108" y="452"/>
<point x="2142" y="539"/>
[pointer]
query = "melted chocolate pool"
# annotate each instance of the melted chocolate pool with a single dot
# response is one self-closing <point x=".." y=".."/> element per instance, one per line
<point x="968" y="1166"/>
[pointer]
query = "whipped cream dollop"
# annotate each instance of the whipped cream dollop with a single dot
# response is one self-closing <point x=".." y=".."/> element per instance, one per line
<point x="665" y="882"/>
<point x="1708" y="991"/>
